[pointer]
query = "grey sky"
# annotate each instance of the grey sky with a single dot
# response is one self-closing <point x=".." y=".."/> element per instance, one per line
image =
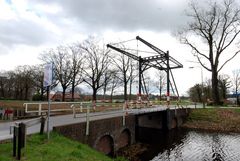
<point x="126" y="15"/>
<point x="28" y="27"/>
<point x="89" y="16"/>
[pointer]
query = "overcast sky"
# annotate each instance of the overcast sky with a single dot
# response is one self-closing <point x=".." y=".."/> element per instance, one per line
<point x="28" y="27"/>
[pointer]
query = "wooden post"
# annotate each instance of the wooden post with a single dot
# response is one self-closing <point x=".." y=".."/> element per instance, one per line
<point x="19" y="144"/>
<point x="15" y="130"/>
<point x="42" y="125"/>
<point x="21" y="139"/>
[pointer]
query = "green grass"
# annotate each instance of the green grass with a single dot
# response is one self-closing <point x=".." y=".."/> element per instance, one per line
<point x="217" y="119"/>
<point x="58" y="148"/>
<point x="206" y="114"/>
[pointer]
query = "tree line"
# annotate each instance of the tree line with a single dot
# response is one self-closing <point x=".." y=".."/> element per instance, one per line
<point x="227" y="85"/>
<point x="88" y="62"/>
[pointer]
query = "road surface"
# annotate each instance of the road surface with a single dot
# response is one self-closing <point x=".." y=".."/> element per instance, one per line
<point x="69" y="119"/>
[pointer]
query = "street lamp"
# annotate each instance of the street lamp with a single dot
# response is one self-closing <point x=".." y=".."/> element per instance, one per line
<point x="203" y="102"/>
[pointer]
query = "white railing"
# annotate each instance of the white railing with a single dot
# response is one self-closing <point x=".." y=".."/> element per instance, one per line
<point x="39" y="109"/>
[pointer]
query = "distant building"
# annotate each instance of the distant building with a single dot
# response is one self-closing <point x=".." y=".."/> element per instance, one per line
<point x="68" y="96"/>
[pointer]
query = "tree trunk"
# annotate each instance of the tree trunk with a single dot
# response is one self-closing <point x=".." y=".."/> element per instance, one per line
<point x="160" y="89"/>
<point x="73" y="90"/>
<point x="26" y="93"/>
<point x="42" y="92"/>
<point x="94" y="96"/>
<point x="111" y="98"/>
<point x="104" y="92"/>
<point x="125" y="91"/>
<point x="130" y="90"/>
<point x="2" y="91"/>
<point x="63" y="94"/>
<point x="215" y="91"/>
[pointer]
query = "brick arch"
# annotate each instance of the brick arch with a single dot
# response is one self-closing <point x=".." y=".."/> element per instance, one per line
<point x="105" y="144"/>
<point x="124" y="138"/>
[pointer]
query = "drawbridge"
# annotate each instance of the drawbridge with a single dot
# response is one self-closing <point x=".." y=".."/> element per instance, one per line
<point x="160" y="60"/>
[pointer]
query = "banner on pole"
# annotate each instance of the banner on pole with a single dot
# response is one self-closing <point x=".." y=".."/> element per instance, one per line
<point x="48" y="75"/>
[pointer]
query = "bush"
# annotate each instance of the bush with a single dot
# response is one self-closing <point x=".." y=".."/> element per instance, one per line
<point x="37" y="97"/>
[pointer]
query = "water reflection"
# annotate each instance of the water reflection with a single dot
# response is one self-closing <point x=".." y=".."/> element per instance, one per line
<point x="182" y="145"/>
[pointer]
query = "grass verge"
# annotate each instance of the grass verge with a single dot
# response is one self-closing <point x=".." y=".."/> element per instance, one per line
<point x="214" y="119"/>
<point x="58" y="148"/>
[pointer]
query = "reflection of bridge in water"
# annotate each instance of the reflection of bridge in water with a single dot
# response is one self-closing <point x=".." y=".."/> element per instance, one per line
<point x="106" y="130"/>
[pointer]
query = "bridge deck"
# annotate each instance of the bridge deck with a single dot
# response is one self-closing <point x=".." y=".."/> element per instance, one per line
<point x="69" y="119"/>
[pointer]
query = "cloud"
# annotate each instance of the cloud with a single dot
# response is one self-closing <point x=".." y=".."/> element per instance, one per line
<point x="21" y="25"/>
<point x="23" y="32"/>
<point x="124" y="15"/>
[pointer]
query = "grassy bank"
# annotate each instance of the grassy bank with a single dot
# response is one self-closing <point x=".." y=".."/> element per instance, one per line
<point x="214" y="119"/>
<point x="59" y="148"/>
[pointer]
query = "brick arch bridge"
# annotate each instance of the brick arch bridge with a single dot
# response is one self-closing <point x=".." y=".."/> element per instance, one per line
<point x="109" y="135"/>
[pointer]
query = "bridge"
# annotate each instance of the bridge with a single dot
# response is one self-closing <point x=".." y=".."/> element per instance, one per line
<point x="107" y="131"/>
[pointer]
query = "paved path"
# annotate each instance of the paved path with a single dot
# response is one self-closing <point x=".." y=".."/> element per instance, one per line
<point x="69" y="119"/>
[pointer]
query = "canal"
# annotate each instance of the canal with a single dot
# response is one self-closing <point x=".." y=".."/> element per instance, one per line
<point x="187" y="145"/>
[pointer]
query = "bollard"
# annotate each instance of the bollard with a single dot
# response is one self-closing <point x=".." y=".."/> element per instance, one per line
<point x="15" y="131"/>
<point x="21" y="139"/>
<point x="42" y="125"/>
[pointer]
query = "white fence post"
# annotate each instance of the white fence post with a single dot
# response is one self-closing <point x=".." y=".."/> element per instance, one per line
<point x="39" y="109"/>
<point x="81" y="107"/>
<point x="74" y="111"/>
<point x="26" y="107"/>
<point x="87" y="121"/>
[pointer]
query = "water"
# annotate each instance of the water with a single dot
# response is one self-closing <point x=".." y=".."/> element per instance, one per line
<point x="182" y="145"/>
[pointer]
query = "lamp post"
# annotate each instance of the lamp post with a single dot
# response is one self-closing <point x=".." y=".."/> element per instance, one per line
<point x="203" y="102"/>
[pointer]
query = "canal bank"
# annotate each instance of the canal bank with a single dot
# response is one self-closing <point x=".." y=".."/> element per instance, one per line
<point x="214" y="119"/>
<point x="217" y="128"/>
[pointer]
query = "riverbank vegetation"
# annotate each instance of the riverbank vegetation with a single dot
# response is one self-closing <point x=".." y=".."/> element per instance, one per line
<point x="59" y="148"/>
<point x="214" y="119"/>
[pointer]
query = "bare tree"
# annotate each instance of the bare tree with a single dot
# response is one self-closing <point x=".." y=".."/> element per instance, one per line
<point x="217" y="26"/>
<point x="124" y="65"/>
<point x="114" y="83"/>
<point x="224" y="85"/>
<point x="96" y="64"/>
<point x="109" y="77"/>
<point x="24" y="82"/>
<point x="37" y="72"/>
<point x="195" y="93"/>
<point x="161" y="82"/>
<point x="60" y="58"/>
<point x="236" y="83"/>
<point x="132" y="76"/>
<point x="77" y="67"/>
<point x="3" y="82"/>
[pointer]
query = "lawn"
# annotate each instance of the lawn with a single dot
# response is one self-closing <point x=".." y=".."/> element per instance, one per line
<point x="59" y="148"/>
<point x="217" y="119"/>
